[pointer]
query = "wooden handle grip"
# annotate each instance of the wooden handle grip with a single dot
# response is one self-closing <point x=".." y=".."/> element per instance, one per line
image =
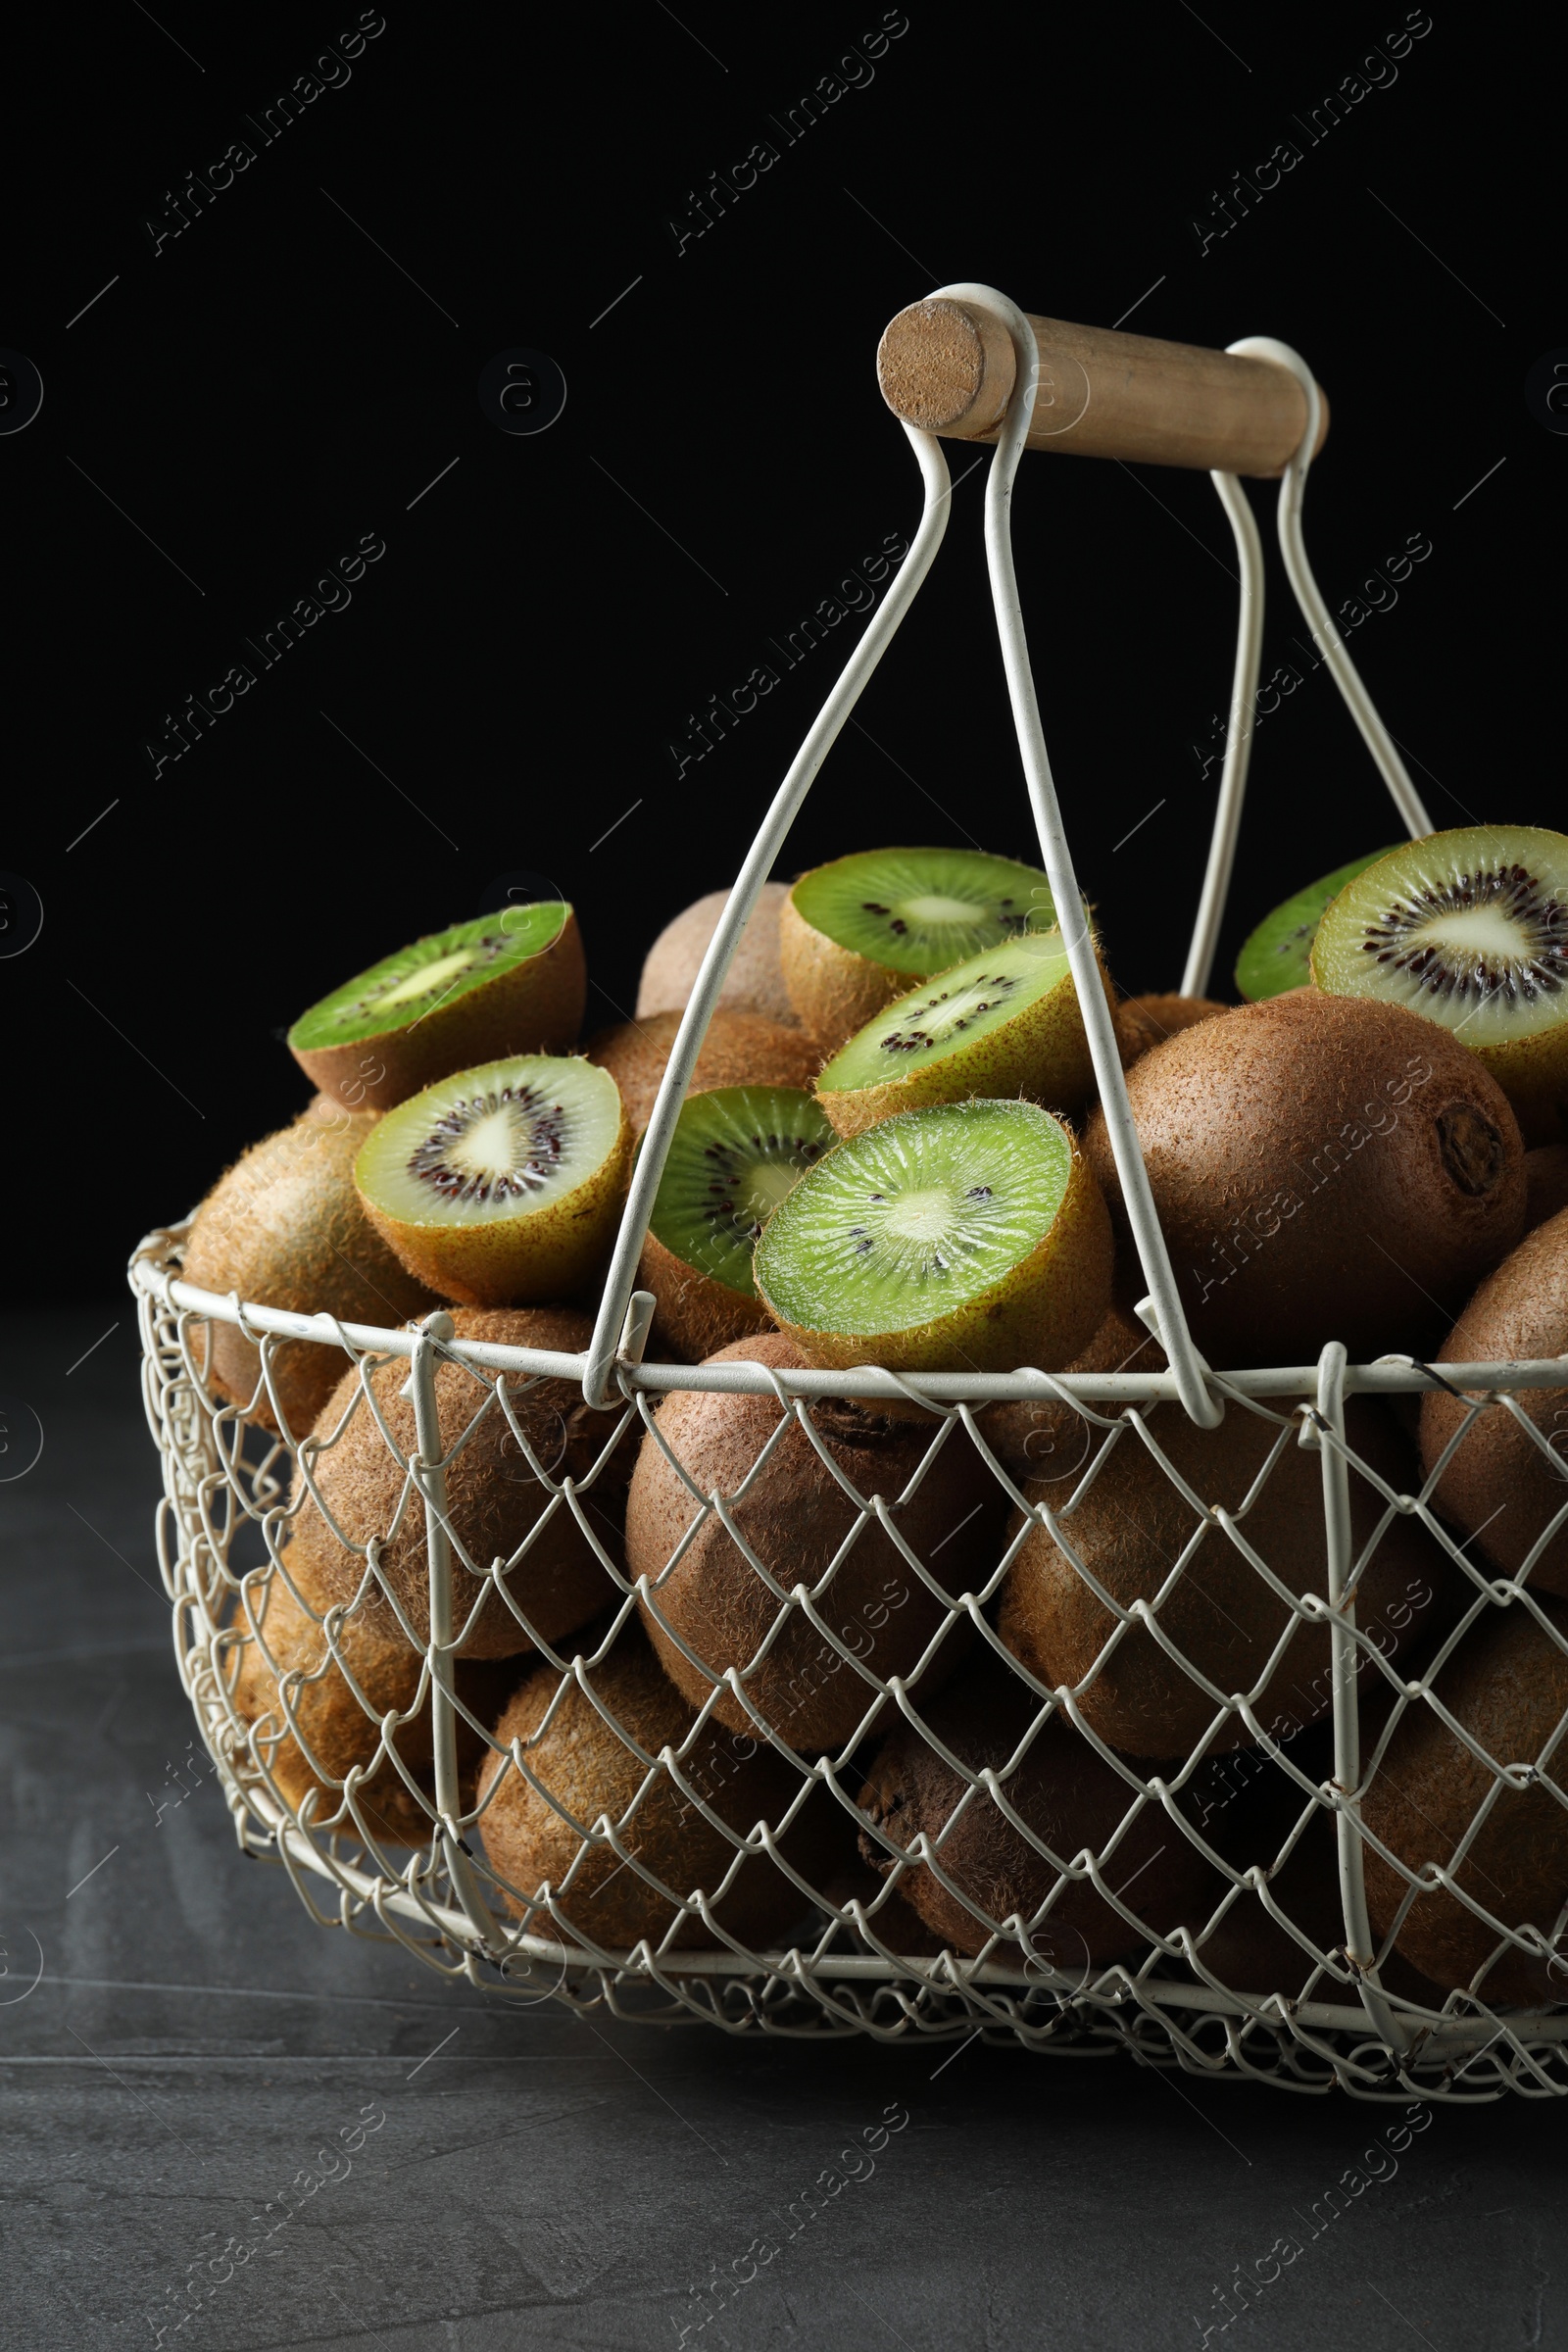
<point x="947" y="368"/>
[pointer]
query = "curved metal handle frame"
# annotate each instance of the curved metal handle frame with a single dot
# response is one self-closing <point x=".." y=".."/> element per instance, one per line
<point x="622" y="1319"/>
<point x="1248" y="648"/>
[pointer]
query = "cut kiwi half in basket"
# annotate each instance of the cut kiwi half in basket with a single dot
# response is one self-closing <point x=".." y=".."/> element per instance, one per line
<point x="1003" y="1022"/>
<point x="970" y="1237"/>
<point x="507" y="983"/>
<point x="1277" y="955"/>
<point x="858" y="932"/>
<point x="501" y="1186"/>
<point x="734" y="1157"/>
<point x="1469" y="928"/>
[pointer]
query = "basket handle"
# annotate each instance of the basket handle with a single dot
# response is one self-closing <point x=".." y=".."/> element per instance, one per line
<point x="1163" y="1309"/>
<point x="949" y="366"/>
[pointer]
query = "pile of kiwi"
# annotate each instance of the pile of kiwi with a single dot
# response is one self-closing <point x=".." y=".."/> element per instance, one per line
<point x="950" y="1668"/>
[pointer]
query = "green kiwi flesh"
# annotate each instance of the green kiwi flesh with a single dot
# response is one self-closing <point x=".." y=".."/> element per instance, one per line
<point x="1468" y="928"/>
<point x="966" y="1236"/>
<point x="922" y="910"/>
<point x="858" y="932"/>
<point x="1277" y="955"/>
<point x="511" y="982"/>
<point x="1002" y="1022"/>
<point x="734" y="1156"/>
<point x="501" y="1185"/>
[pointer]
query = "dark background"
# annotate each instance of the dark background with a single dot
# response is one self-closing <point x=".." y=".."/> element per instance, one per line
<point x="511" y="672"/>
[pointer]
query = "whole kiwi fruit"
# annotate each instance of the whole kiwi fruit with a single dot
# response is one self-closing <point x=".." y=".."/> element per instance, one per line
<point x="794" y="1515"/>
<point x="1506" y="1685"/>
<point x="1248" y="1809"/>
<point x="741" y="1049"/>
<point x="755" y="981"/>
<point x="284" y="1228"/>
<point x="337" y="1727"/>
<point x="1324" y="1168"/>
<point x="1500" y="1488"/>
<point x="893" y="1926"/>
<point x="1050" y="1442"/>
<point x="1546" y="1183"/>
<point x="1134" y="1524"/>
<point x="584" y="1751"/>
<point x="1070" y="1798"/>
<point x="1145" y="1021"/>
<point x="493" y="1498"/>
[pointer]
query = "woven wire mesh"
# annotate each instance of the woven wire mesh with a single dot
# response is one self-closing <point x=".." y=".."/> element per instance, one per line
<point x="385" y="1793"/>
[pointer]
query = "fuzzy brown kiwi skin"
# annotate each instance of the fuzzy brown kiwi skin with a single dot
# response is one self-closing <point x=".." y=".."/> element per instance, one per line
<point x="896" y="1925"/>
<point x="741" y="1049"/>
<point x="333" y="1724"/>
<point x="1132" y="1526"/>
<point x="590" y="1770"/>
<point x="1249" y="1952"/>
<point x="755" y="981"/>
<point x="794" y="1517"/>
<point x="1050" y="1442"/>
<point x="695" y="1315"/>
<point x="493" y="1498"/>
<point x="1499" y="1489"/>
<point x="1145" y="1021"/>
<point x="1546" y="1183"/>
<point x="1070" y="1798"/>
<point x="285" y="1228"/>
<point x="1507" y="1684"/>
<point x="1324" y="1168"/>
<point x="535" y="1007"/>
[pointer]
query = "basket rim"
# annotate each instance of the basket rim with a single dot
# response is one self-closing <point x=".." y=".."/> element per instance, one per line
<point x="151" y="1274"/>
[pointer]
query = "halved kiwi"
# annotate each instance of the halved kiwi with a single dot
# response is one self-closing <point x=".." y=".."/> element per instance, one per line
<point x="1276" y="956"/>
<point x="734" y="1156"/>
<point x="1470" y="928"/>
<point x="501" y="1186"/>
<point x="507" y="983"/>
<point x="855" y="933"/>
<point x="970" y="1235"/>
<point x="1003" y="1022"/>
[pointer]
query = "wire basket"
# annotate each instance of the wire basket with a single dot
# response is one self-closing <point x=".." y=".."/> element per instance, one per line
<point x="359" y="1738"/>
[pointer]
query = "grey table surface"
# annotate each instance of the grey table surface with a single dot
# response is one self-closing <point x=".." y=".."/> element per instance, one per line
<point x="179" y="2041"/>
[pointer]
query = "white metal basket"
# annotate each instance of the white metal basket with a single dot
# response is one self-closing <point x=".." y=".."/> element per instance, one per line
<point x="226" y="1514"/>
